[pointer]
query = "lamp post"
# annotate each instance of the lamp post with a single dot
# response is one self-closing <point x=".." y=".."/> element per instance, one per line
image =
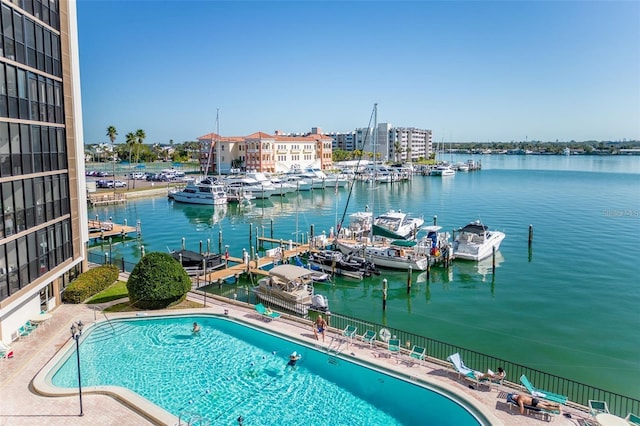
<point x="76" y="332"/>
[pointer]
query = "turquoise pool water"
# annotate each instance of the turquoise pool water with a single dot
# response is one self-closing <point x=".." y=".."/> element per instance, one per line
<point x="230" y="370"/>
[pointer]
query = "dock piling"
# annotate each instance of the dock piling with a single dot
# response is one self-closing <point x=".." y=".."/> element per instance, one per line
<point x="384" y="294"/>
<point x="530" y="235"/>
<point x="409" y="270"/>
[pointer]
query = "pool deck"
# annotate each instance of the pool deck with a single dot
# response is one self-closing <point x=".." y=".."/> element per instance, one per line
<point x="20" y="403"/>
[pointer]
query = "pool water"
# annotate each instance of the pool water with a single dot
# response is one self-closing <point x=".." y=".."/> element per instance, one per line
<point x="228" y="370"/>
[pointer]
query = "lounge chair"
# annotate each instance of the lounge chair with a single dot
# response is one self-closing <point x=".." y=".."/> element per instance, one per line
<point x="598" y="407"/>
<point x="463" y="370"/>
<point x="369" y="337"/>
<point x="394" y="348"/>
<point x="418" y="352"/>
<point x="540" y="393"/>
<point x="632" y="419"/>
<point x="531" y="409"/>
<point x="5" y="351"/>
<point x="266" y="313"/>
<point x="349" y="332"/>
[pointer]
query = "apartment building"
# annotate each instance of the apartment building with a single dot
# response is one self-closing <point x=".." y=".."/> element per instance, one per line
<point x="263" y="152"/>
<point x="43" y="230"/>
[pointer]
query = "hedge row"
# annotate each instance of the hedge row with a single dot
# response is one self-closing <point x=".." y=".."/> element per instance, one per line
<point x="90" y="283"/>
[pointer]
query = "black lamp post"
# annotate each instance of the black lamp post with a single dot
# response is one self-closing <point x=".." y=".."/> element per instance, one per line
<point x="76" y="332"/>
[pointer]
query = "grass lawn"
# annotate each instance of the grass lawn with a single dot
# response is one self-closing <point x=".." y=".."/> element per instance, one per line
<point x="115" y="292"/>
<point x="126" y="307"/>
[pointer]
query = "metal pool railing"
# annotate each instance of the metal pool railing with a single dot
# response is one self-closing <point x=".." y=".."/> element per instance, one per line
<point x="578" y="393"/>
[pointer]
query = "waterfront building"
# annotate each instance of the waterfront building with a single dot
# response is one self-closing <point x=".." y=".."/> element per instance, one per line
<point x="409" y="144"/>
<point x="263" y="152"/>
<point x="44" y="230"/>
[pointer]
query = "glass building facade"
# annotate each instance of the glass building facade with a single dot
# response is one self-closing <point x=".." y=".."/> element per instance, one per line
<point x="41" y="158"/>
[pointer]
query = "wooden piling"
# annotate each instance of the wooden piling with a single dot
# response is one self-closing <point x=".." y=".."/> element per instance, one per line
<point x="493" y="261"/>
<point x="250" y="235"/>
<point x="384" y="294"/>
<point x="530" y="235"/>
<point x="409" y="279"/>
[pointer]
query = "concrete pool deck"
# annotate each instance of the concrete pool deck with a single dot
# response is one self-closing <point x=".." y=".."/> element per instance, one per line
<point x="20" y="403"/>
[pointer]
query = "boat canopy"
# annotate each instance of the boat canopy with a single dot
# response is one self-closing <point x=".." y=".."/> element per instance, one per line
<point x="289" y="272"/>
<point x="403" y="243"/>
<point x="475" y="228"/>
<point x="381" y="231"/>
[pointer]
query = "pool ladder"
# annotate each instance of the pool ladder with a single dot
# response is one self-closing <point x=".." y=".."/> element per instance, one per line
<point x="333" y="352"/>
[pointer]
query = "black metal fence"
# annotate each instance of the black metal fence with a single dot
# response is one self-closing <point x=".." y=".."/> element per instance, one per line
<point x="577" y="392"/>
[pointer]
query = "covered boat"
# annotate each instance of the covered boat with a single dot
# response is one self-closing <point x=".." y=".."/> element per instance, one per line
<point x="195" y="263"/>
<point x="291" y="288"/>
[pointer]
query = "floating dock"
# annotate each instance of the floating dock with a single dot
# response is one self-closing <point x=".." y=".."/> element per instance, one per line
<point x="105" y="229"/>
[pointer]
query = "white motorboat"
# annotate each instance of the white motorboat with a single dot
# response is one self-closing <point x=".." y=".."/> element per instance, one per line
<point x="298" y="182"/>
<point x="291" y="288"/>
<point x="282" y="188"/>
<point x="397" y="225"/>
<point x="250" y="185"/>
<point x="443" y="170"/>
<point x="204" y="192"/>
<point x="399" y="254"/>
<point x="238" y="195"/>
<point x="475" y="242"/>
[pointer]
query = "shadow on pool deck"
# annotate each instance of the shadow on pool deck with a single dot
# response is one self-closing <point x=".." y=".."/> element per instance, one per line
<point x="21" y="405"/>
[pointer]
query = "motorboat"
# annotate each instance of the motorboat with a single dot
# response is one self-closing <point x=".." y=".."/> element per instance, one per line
<point x="281" y="188"/>
<point x="476" y="242"/>
<point x="443" y="170"/>
<point x="396" y="225"/>
<point x="298" y="182"/>
<point x="291" y="288"/>
<point x="239" y="195"/>
<point x="198" y="263"/>
<point x="204" y="192"/>
<point x="336" y="263"/>
<point x="250" y="185"/>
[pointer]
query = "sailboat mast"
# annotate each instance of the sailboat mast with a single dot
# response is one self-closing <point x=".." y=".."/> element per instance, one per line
<point x="218" y="140"/>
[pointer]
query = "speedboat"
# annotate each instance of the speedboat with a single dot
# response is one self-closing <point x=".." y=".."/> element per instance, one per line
<point x="291" y="288"/>
<point x="336" y="263"/>
<point x="250" y="185"/>
<point x="193" y="262"/>
<point x="398" y="225"/>
<point x="204" y="192"/>
<point x="475" y="242"/>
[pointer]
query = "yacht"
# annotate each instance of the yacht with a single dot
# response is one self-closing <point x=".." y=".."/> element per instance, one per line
<point x="250" y="185"/>
<point x="204" y="192"/>
<point x="291" y="288"/>
<point x="398" y="225"/>
<point x="443" y="170"/>
<point x="282" y="188"/>
<point x="475" y="242"/>
<point x="298" y="182"/>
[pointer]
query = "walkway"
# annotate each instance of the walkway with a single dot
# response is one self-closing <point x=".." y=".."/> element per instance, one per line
<point x="20" y="405"/>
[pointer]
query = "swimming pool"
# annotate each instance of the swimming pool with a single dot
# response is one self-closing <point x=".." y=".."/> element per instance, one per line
<point x="231" y="370"/>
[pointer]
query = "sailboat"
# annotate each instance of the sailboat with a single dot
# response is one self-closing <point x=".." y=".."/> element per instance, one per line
<point x="385" y="240"/>
<point x="205" y="191"/>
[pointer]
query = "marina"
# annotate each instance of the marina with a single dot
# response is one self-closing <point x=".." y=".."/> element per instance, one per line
<point x="531" y="284"/>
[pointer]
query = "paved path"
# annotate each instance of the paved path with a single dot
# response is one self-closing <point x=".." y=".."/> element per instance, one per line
<point x="20" y="405"/>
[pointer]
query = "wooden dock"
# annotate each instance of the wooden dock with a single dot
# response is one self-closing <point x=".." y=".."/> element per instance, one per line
<point x="105" y="229"/>
<point x="235" y="266"/>
<point x="105" y="199"/>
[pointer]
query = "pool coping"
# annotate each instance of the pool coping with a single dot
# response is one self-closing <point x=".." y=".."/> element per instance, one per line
<point x="42" y="381"/>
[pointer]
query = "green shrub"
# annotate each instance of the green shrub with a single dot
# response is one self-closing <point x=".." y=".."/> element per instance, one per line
<point x="89" y="283"/>
<point x="157" y="282"/>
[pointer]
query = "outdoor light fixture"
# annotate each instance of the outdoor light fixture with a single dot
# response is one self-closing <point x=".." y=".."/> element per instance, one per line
<point x="76" y="332"/>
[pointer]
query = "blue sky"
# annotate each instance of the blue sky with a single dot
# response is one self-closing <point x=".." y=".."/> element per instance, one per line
<point x="474" y="71"/>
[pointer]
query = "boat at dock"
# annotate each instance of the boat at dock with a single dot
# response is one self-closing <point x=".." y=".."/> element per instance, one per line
<point x="397" y="225"/>
<point x="476" y="242"/>
<point x="204" y="192"/>
<point x="335" y="262"/>
<point x="196" y="263"/>
<point x="291" y="287"/>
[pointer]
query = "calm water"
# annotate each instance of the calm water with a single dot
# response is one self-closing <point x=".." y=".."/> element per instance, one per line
<point x="228" y="370"/>
<point x="569" y="306"/>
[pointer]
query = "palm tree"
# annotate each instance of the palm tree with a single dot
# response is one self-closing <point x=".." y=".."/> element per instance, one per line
<point x="140" y="135"/>
<point x="112" y="133"/>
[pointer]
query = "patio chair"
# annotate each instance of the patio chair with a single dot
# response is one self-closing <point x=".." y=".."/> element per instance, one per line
<point x="598" y="407"/>
<point x="349" y="332"/>
<point x="394" y="348"/>
<point x="531" y="409"/>
<point x="632" y="419"/>
<point x="266" y="313"/>
<point x="418" y="352"/>
<point x="5" y="351"/>
<point x="24" y="332"/>
<point x="369" y="337"/>
<point x="540" y="393"/>
<point x="462" y="370"/>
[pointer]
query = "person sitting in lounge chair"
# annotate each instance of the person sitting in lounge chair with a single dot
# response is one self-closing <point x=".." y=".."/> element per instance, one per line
<point x="490" y="375"/>
<point x="529" y="401"/>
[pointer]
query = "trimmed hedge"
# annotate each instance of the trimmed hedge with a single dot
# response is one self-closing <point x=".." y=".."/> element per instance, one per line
<point x="90" y="283"/>
<point x="157" y="282"/>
